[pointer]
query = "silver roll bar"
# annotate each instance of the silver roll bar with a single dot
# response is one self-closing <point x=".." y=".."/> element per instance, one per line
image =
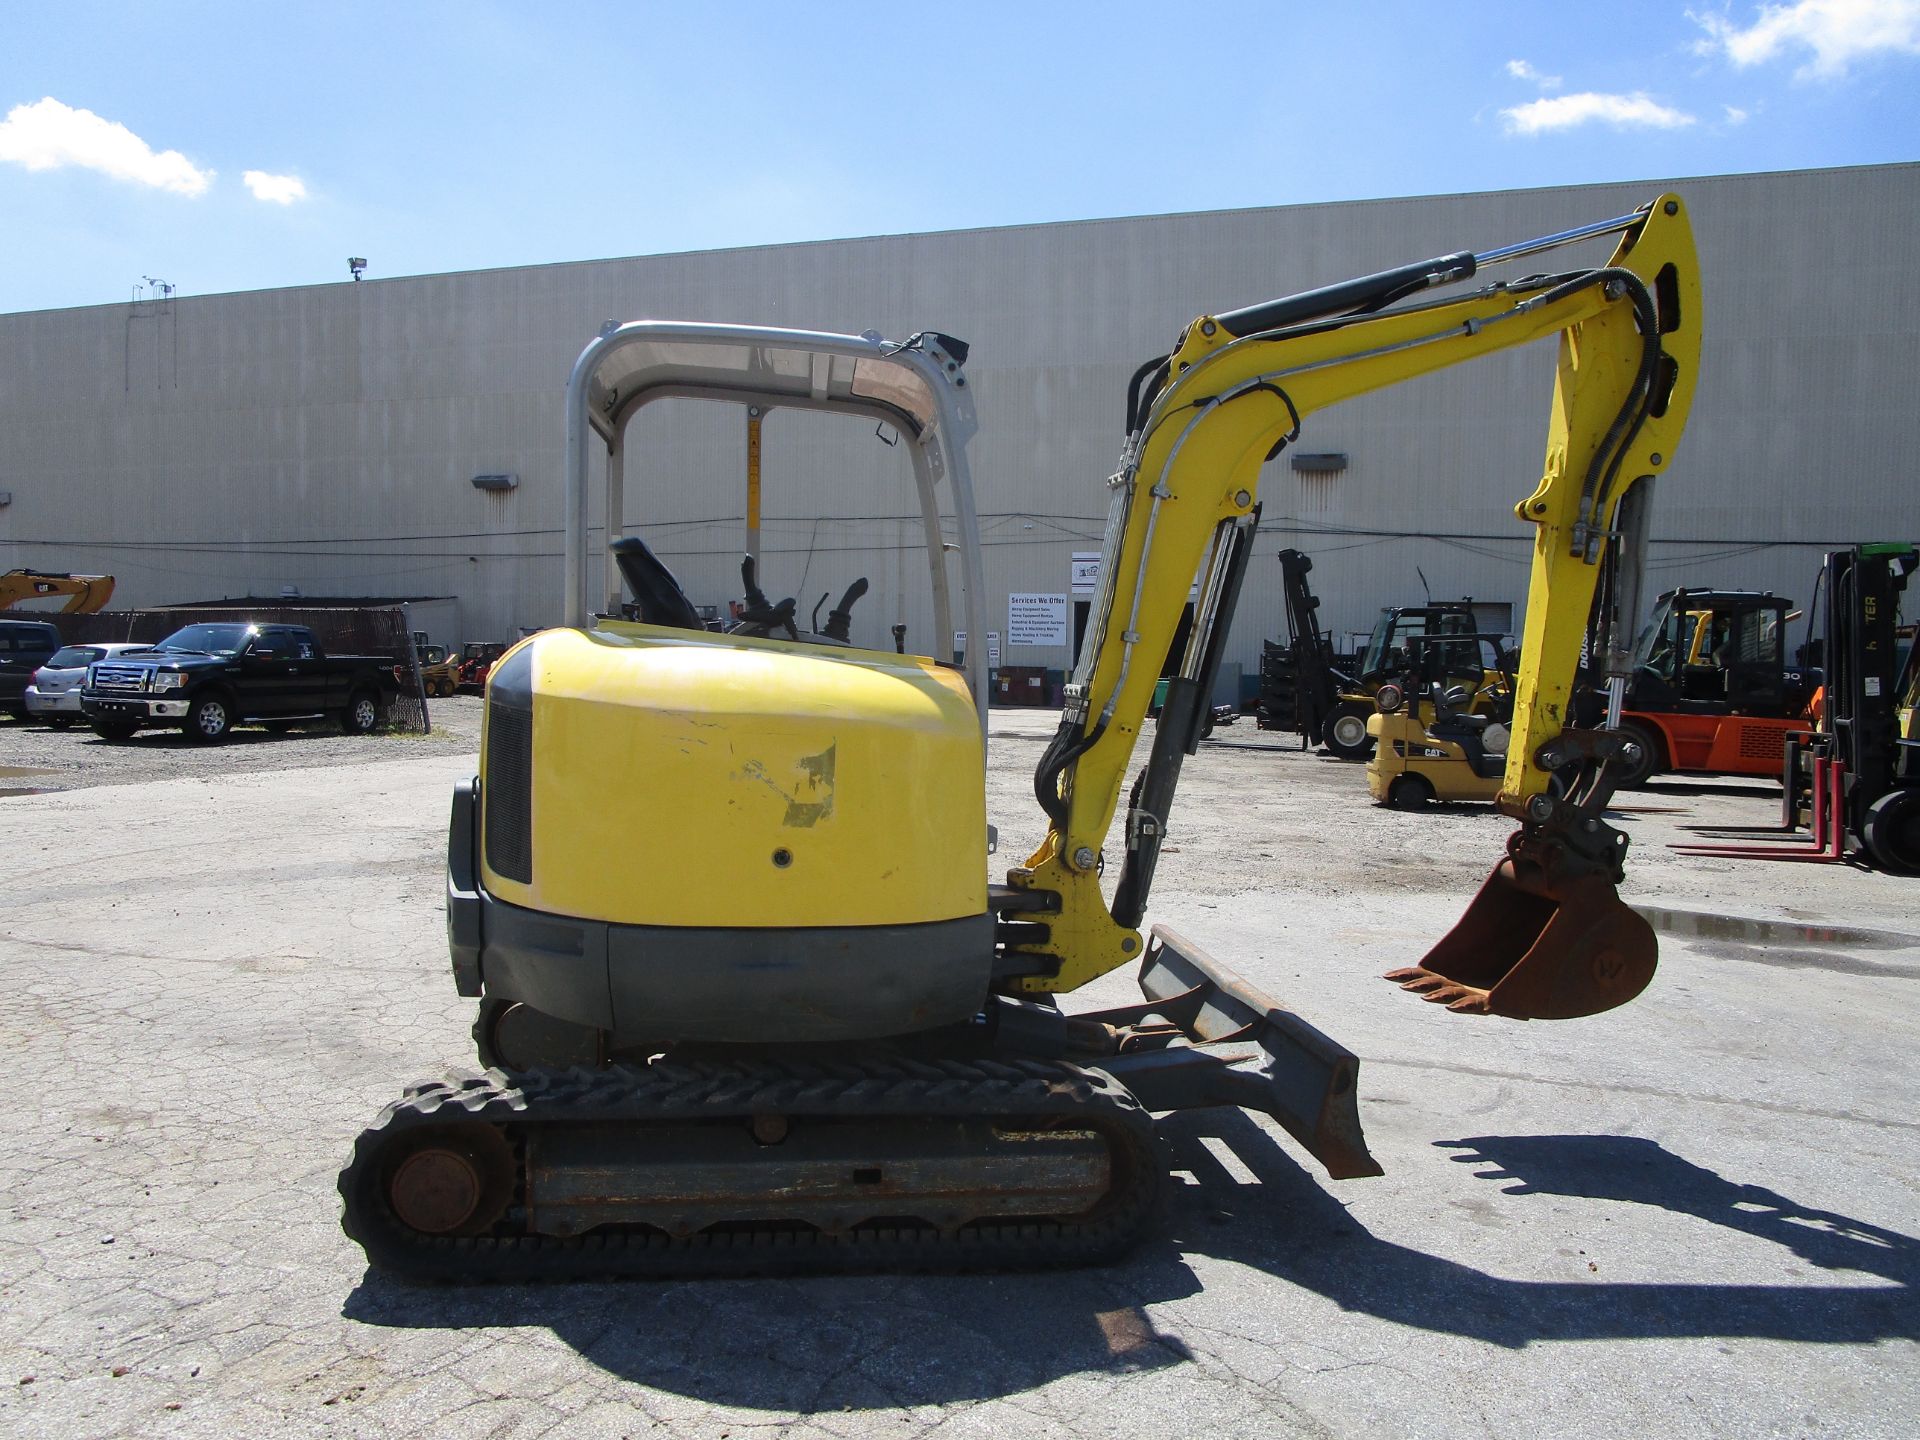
<point x="915" y="387"/>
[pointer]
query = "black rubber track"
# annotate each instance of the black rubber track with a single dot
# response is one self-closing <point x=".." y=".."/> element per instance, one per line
<point x="1020" y="1089"/>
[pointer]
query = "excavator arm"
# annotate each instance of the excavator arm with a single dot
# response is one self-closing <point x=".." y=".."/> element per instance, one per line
<point x="84" y="593"/>
<point x="1547" y="936"/>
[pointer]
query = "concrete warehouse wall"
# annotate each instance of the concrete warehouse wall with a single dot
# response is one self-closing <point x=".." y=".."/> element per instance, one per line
<point x="325" y="437"/>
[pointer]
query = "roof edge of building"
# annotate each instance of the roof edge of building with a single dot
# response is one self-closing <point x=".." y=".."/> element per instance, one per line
<point x="1015" y="228"/>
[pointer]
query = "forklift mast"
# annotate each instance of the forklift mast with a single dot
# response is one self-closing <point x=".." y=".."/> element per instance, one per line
<point x="1317" y="685"/>
<point x="1864" y="671"/>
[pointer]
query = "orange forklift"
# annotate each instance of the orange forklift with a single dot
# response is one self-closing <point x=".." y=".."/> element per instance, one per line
<point x="476" y="660"/>
<point x="1712" y="692"/>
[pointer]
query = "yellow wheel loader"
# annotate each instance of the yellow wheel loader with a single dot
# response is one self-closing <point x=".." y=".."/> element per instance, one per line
<point x="749" y="998"/>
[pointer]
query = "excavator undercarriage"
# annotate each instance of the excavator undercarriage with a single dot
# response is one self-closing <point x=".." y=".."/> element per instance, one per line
<point x="1022" y="1139"/>
<point x="762" y="1165"/>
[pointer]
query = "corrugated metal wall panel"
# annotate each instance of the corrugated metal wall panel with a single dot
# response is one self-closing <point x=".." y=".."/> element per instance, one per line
<point x="334" y="430"/>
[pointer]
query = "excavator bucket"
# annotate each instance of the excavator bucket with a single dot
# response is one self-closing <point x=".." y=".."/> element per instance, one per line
<point x="1538" y="944"/>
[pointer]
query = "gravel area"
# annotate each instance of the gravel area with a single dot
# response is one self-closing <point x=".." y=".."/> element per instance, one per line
<point x="1698" y="1215"/>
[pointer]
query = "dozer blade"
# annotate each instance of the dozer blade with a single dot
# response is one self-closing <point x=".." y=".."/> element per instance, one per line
<point x="1538" y="944"/>
<point x="1286" y="1068"/>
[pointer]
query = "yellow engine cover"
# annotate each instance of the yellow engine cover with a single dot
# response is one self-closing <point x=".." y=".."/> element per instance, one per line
<point x="707" y="780"/>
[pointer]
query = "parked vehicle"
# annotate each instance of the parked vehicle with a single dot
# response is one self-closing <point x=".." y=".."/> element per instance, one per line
<point x="1869" y="726"/>
<point x="1303" y="691"/>
<point x="208" y="678"/>
<point x="439" y="675"/>
<point x="1854" y="783"/>
<point x="1428" y="745"/>
<point x="54" y="693"/>
<point x="476" y="659"/>
<point x="25" y="645"/>
<point x="1712" y="692"/>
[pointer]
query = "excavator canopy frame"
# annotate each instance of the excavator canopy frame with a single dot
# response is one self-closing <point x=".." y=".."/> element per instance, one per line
<point x="917" y="387"/>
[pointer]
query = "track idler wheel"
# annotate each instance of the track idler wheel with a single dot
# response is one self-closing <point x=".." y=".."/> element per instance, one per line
<point x="456" y="1181"/>
<point x="1547" y="938"/>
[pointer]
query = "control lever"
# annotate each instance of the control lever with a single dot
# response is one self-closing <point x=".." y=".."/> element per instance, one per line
<point x="758" y="613"/>
<point x="842" y="614"/>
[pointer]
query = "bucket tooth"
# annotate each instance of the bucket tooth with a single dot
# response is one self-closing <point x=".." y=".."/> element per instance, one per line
<point x="1538" y="943"/>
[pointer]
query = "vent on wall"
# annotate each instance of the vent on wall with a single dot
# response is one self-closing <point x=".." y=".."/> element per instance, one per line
<point x="495" y="482"/>
<point x="1319" y="462"/>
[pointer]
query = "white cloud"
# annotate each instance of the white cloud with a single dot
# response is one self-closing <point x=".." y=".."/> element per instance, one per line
<point x="1735" y="115"/>
<point x="277" y="189"/>
<point x="1564" y="112"/>
<point x="1838" y="32"/>
<point x="50" y="136"/>
<point x="1521" y="70"/>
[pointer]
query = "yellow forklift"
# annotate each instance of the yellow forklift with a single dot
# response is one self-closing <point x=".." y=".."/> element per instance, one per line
<point x="1441" y="732"/>
<point x="1303" y="690"/>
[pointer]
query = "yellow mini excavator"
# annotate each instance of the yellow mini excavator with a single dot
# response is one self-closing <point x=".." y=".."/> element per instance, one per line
<point x="747" y="997"/>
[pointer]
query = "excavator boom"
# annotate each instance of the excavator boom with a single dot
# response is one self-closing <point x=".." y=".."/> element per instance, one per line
<point x="85" y="594"/>
<point x="1203" y="420"/>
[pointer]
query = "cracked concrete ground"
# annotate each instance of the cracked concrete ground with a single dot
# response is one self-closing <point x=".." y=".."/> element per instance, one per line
<point x="1693" y="1216"/>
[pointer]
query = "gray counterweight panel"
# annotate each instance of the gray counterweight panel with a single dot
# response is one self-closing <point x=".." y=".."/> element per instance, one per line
<point x="672" y="984"/>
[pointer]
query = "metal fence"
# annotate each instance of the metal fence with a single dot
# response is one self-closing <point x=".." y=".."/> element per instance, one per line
<point x="382" y="632"/>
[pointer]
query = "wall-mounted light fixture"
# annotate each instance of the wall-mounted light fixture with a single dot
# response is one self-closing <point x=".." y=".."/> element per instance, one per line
<point x="1321" y="462"/>
<point x="495" y="482"/>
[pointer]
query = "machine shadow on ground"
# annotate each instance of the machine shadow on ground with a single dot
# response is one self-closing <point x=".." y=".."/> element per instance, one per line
<point x="1325" y="1251"/>
<point x="238" y="736"/>
<point x="888" y="1341"/>
<point x="1672" y="786"/>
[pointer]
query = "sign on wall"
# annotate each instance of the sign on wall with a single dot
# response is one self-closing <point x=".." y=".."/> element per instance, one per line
<point x="1086" y="572"/>
<point x="993" y="648"/>
<point x="1034" y="619"/>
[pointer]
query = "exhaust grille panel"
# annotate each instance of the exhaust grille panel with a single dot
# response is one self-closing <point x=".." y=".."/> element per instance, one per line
<point x="507" y="796"/>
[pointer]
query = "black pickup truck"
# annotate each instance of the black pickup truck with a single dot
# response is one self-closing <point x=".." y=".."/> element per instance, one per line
<point x="206" y="679"/>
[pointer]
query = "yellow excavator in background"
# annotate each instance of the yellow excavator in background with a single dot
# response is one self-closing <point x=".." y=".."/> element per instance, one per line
<point x="748" y="996"/>
<point x="84" y="594"/>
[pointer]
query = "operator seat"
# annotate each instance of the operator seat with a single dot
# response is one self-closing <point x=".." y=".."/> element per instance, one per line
<point x="656" y="592"/>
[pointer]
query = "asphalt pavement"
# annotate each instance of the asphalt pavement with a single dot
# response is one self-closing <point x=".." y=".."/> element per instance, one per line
<point x="1694" y="1216"/>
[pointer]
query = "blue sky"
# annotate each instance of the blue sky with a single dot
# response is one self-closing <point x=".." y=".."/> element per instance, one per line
<point x="225" y="146"/>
